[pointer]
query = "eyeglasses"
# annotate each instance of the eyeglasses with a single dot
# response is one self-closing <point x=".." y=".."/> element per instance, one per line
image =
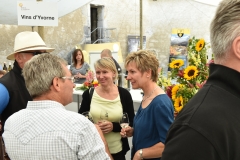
<point x="69" y="78"/>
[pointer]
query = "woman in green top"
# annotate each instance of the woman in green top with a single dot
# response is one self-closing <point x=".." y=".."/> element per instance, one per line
<point x="112" y="101"/>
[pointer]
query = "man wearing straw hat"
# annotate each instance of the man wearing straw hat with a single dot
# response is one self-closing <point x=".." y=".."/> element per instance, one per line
<point x="14" y="95"/>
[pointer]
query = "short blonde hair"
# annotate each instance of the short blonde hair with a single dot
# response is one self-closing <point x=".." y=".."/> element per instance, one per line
<point x="40" y="71"/>
<point x="145" y="61"/>
<point x="107" y="63"/>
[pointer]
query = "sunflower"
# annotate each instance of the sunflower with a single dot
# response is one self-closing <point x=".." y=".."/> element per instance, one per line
<point x="178" y="104"/>
<point x="190" y="72"/>
<point x="200" y="45"/>
<point x="174" y="91"/>
<point x="176" y="63"/>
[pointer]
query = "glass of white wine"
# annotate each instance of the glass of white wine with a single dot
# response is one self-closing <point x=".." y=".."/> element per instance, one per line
<point x="124" y="121"/>
<point x="103" y="115"/>
<point x="88" y="116"/>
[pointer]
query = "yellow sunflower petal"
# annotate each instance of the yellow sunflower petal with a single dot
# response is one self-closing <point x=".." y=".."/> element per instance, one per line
<point x="178" y="104"/>
<point x="176" y="63"/>
<point x="174" y="91"/>
<point x="190" y="72"/>
<point x="200" y="45"/>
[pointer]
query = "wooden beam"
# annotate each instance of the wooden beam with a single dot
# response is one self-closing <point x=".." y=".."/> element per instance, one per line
<point x="41" y="28"/>
<point x="141" y="34"/>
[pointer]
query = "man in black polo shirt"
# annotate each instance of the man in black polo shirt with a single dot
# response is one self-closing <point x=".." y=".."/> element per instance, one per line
<point x="208" y="127"/>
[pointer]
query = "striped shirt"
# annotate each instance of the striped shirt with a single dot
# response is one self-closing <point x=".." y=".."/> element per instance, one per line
<point x="45" y="130"/>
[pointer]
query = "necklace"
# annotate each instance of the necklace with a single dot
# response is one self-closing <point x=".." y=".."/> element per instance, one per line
<point x="150" y="94"/>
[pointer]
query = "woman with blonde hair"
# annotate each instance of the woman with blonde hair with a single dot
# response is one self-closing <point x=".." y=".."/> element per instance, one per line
<point x="155" y="114"/>
<point x="112" y="101"/>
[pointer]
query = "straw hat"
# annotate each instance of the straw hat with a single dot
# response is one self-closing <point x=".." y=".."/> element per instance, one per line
<point x="28" y="41"/>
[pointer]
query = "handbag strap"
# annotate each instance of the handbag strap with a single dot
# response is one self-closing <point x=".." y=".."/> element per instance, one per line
<point x="91" y="90"/>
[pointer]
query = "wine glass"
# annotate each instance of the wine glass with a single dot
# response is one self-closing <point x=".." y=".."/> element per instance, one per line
<point x="124" y="121"/>
<point x="103" y="115"/>
<point x="88" y="116"/>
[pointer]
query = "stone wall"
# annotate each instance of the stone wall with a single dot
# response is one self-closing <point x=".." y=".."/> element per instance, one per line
<point x="159" y="17"/>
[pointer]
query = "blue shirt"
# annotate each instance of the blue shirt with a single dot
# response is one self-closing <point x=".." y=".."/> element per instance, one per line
<point x="4" y="97"/>
<point x="152" y="123"/>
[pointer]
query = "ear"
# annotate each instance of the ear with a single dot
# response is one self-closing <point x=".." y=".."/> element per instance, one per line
<point x="236" y="47"/>
<point x="56" y="83"/>
<point x="149" y="73"/>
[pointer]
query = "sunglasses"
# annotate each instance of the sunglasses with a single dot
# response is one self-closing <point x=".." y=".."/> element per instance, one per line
<point x="35" y="52"/>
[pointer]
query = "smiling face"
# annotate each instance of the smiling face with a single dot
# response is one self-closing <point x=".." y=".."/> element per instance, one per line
<point x="106" y="71"/>
<point x="105" y="76"/>
<point x="136" y="77"/>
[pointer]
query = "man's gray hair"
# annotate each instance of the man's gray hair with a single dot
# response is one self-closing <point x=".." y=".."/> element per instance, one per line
<point x="225" y="27"/>
<point x="40" y="71"/>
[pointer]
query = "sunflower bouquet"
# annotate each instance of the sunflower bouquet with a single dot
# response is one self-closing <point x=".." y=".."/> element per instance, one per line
<point x="181" y="84"/>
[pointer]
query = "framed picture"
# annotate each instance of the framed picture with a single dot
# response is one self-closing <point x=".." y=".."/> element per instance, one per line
<point x="179" y="43"/>
<point x="134" y="43"/>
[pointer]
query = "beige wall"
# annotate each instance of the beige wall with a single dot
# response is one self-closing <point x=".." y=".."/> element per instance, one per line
<point x="159" y="17"/>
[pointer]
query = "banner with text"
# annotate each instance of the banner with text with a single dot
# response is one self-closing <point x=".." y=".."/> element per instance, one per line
<point x="33" y="13"/>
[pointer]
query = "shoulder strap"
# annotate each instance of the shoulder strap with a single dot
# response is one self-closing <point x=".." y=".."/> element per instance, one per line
<point x="91" y="90"/>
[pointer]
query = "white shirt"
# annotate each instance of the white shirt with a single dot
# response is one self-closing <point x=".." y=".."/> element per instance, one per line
<point x="46" y="130"/>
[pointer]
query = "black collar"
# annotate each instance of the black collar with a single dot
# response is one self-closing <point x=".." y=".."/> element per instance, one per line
<point x="224" y="77"/>
<point x="16" y="68"/>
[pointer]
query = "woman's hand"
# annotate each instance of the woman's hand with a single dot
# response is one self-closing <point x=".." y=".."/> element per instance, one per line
<point x="105" y="126"/>
<point x="75" y="76"/>
<point x="127" y="132"/>
<point x="137" y="156"/>
<point x="79" y="75"/>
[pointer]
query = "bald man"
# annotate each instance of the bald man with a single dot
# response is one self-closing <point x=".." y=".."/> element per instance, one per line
<point x="108" y="53"/>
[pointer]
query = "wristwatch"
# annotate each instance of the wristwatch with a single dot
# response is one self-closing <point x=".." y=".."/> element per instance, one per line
<point x="140" y="154"/>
